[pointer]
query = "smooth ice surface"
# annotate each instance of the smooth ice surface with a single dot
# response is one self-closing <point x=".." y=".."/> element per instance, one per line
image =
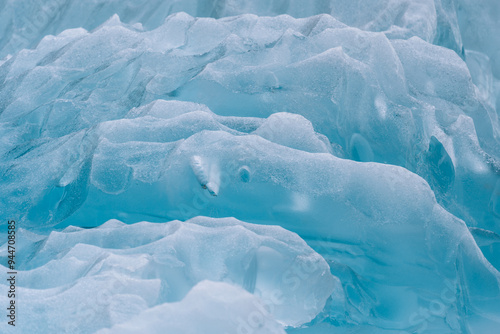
<point x="365" y="92"/>
<point x="94" y="278"/>
<point x="210" y="308"/>
<point x="369" y="128"/>
<point x="379" y="226"/>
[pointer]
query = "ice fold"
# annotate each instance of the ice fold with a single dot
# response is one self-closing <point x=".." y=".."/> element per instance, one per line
<point x="364" y="91"/>
<point x="211" y="308"/>
<point x="369" y="129"/>
<point x="132" y="268"/>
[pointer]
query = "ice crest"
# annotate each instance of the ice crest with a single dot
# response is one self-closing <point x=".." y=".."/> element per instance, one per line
<point x="355" y="143"/>
<point x="146" y="264"/>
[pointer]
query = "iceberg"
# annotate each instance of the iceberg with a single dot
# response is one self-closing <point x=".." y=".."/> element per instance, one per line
<point x="369" y="87"/>
<point x="251" y="166"/>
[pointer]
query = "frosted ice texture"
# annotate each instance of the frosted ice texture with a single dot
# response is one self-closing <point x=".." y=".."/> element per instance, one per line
<point x="370" y="130"/>
<point x="87" y="279"/>
<point x="210" y="308"/>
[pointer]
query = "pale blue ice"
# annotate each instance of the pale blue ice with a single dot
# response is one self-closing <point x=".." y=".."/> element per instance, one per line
<point x="238" y="167"/>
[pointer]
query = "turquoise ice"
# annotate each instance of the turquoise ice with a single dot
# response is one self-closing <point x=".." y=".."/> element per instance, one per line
<point x="237" y="166"/>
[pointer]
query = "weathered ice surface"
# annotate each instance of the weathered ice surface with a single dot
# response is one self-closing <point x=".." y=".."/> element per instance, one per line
<point x="81" y="280"/>
<point x="210" y="308"/>
<point x="218" y="167"/>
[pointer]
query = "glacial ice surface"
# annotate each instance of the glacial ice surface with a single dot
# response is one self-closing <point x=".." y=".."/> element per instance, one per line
<point x="199" y="312"/>
<point x="96" y="278"/>
<point x="130" y="130"/>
